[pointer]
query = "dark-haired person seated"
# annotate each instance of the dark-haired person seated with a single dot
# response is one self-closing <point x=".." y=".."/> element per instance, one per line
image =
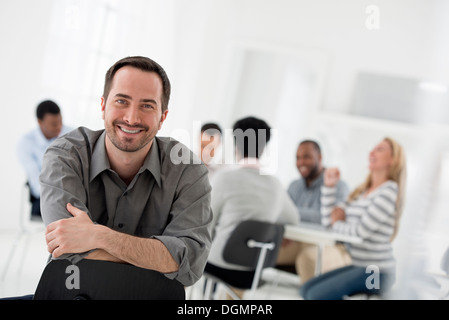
<point x="32" y="146"/>
<point x="242" y="193"/>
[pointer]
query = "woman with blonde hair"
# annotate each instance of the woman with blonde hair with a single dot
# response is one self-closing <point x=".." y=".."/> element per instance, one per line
<point x="371" y="212"/>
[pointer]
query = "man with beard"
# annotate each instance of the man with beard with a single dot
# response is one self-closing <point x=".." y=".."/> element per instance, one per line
<point x="117" y="195"/>
<point x="306" y="194"/>
<point x="306" y="190"/>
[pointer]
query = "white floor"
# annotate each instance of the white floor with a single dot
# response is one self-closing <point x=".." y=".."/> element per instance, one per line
<point x="22" y="259"/>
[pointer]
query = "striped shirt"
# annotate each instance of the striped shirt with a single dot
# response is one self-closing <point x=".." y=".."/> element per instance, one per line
<point x="369" y="217"/>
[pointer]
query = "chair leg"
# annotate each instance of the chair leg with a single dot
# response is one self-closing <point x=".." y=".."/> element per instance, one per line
<point x="11" y="255"/>
<point x="227" y="290"/>
<point x="208" y="289"/>
<point x="259" y="268"/>
<point x="24" y="252"/>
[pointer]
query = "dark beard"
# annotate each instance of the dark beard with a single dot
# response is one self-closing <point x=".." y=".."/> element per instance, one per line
<point x="314" y="173"/>
<point x="126" y="144"/>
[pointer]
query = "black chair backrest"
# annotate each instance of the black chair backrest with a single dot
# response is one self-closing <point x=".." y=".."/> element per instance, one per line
<point x="104" y="280"/>
<point x="236" y="250"/>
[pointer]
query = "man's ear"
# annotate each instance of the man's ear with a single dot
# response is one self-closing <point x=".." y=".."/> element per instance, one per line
<point x="163" y="117"/>
<point x="103" y="106"/>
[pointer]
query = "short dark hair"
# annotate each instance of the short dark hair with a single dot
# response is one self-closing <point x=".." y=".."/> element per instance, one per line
<point x="211" y="125"/>
<point x="144" y="64"/>
<point x="315" y="145"/>
<point x="47" y="106"/>
<point x="250" y="129"/>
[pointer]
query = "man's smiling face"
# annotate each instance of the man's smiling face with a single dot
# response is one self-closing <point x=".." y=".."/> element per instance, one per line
<point x="132" y="111"/>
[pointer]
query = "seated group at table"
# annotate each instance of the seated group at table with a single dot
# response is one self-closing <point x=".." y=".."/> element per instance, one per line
<point x="369" y="213"/>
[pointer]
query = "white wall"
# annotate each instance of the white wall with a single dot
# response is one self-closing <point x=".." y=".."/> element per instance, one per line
<point x="408" y="39"/>
<point x="22" y="33"/>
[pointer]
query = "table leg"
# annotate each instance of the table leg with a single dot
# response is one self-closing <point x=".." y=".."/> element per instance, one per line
<point x="319" y="257"/>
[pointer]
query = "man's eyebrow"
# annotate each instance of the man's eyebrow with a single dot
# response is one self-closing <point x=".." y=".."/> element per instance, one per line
<point x="149" y="100"/>
<point x="122" y="95"/>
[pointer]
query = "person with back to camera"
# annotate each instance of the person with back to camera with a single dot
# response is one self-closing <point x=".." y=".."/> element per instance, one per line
<point x="242" y="193"/>
<point x="117" y="194"/>
<point x="306" y="194"/>
<point x="372" y="212"/>
<point x="31" y="148"/>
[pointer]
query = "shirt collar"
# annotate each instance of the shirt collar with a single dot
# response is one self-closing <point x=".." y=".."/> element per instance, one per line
<point x="152" y="162"/>
<point x="100" y="161"/>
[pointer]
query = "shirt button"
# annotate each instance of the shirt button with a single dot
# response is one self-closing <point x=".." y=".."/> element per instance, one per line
<point x="120" y="225"/>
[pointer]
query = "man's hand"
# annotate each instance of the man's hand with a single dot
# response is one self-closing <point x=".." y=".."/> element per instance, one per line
<point x="71" y="235"/>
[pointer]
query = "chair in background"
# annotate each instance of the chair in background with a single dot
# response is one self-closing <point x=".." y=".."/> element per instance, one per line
<point x="27" y="227"/>
<point x="444" y="264"/>
<point x="254" y="244"/>
<point x="104" y="280"/>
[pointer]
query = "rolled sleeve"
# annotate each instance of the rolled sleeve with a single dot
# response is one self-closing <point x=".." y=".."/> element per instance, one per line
<point x="61" y="181"/>
<point x="187" y="236"/>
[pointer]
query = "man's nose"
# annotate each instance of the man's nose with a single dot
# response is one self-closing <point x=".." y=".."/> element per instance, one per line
<point x="131" y="115"/>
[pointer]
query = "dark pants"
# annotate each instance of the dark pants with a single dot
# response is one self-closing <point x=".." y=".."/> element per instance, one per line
<point x="344" y="281"/>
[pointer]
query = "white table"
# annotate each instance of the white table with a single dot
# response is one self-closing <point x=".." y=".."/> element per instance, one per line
<point x="318" y="235"/>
